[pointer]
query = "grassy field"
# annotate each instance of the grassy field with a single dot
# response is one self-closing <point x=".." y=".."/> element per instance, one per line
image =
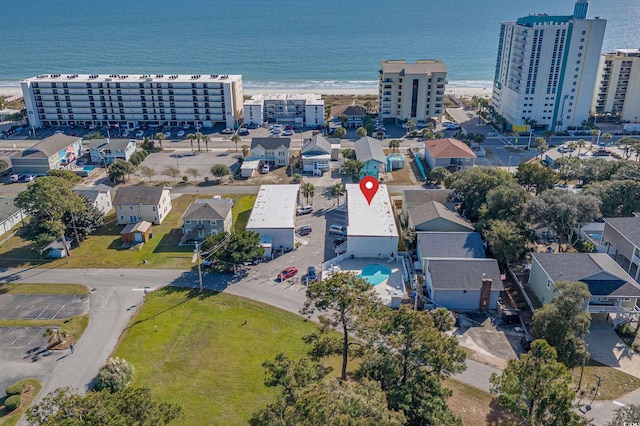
<point x="614" y="383"/>
<point x="103" y="248"/>
<point x="75" y="326"/>
<point x="23" y="288"/>
<point x="12" y="419"/>
<point x="476" y="407"/>
<point x="204" y="352"/>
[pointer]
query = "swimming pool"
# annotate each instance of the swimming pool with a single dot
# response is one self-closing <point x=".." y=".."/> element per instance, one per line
<point x="375" y="273"/>
<point x="88" y="168"/>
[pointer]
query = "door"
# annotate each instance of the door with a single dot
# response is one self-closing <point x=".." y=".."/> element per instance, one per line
<point x="137" y="237"/>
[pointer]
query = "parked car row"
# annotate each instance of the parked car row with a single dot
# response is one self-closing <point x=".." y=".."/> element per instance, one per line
<point x="22" y="178"/>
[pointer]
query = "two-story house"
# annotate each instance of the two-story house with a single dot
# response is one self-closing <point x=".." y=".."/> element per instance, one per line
<point x="206" y="217"/>
<point x="448" y="153"/>
<point x="137" y="203"/>
<point x="272" y="151"/>
<point x="354" y="114"/>
<point x="52" y="153"/>
<point x="622" y="237"/>
<point x="369" y="152"/>
<point x="317" y="152"/>
<point x="98" y="195"/>
<point x="106" y="151"/>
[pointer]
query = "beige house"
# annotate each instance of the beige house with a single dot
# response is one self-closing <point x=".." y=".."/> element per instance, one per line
<point x="613" y="291"/>
<point x="272" y="151"/>
<point x="99" y="195"/>
<point x="355" y="114"/>
<point x="435" y="217"/>
<point x="137" y="203"/>
<point x="206" y="217"/>
<point x="622" y="237"/>
<point x="448" y="153"/>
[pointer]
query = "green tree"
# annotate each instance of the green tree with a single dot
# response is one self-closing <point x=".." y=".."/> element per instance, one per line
<point x="606" y="137"/>
<point x="83" y="222"/>
<point x="292" y="376"/>
<point x="394" y="144"/>
<point x="199" y="137"/>
<point x="473" y="184"/>
<point x="220" y="170"/>
<point x="193" y="172"/>
<point x="344" y="118"/>
<point x="120" y="170"/>
<point x="114" y="375"/>
<point x="439" y="174"/>
<point x="56" y="336"/>
<point x="581" y="144"/>
<point x="626" y="170"/>
<point x="235" y="139"/>
<point x="130" y="406"/>
<point x="505" y="240"/>
<point x="562" y="212"/>
<point x="406" y="353"/>
<point x="191" y="137"/>
<point x="342" y="300"/>
<point x="160" y="137"/>
<point x="147" y="172"/>
<point x="245" y="150"/>
<point x="505" y="202"/>
<point x="241" y="246"/>
<point x="337" y="190"/>
<point x="537" y="388"/>
<point x="3" y="166"/>
<point x="67" y="175"/>
<point x="427" y="133"/>
<point x="206" y="139"/>
<point x="443" y="319"/>
<point x="594" y="134"/>
<point x="308" y="190"/>
<point x="349" y="154"/>
<point x="619" y="198"/>
<point x="362" y="132"/>
<point x="172" y="171"/>
<point x="340" y="132"/>
<point x="535" y="177"/>
<point x="564" y="322"/>
<point x="626" y="416"/>
<point x="353" y="167"/>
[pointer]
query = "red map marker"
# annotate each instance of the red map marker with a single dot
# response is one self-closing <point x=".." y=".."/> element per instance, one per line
<point x="369" y="186"/>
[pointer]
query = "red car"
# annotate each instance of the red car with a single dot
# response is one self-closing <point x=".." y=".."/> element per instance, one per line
<point x="287" y="273"/>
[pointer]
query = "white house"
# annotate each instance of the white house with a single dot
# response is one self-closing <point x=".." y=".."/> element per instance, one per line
<point x="273" y="216"/>
<point x="272" y="151"/>
<point x="355" y="115"/>
<point x="371" y="228"/>
<point x="300" y="110"/>
<point x="137" y="203"/>
<point x="10" y="215"/>
<point x="106" y="151"/>
<point x="316" y="154"/>
<point x="99" y="195"/>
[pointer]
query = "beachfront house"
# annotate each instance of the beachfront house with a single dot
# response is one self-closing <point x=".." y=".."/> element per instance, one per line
<point x="369" y="152"/>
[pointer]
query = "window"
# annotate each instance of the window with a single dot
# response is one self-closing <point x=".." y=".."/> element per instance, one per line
<point x="548" y="282"/>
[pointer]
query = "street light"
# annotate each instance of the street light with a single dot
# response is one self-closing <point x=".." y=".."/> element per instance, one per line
<point x="530" y="135"/>
<point x="509" y="166"/>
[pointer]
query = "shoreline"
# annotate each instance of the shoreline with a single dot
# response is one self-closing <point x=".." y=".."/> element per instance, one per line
<point x="460" y="91"/>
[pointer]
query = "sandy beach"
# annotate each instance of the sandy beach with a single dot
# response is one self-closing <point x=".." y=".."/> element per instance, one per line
<point x="10" y="90"/>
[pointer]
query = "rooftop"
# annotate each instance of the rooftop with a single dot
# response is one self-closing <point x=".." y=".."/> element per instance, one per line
<point x="368" y="148"/>
<point x="422" y="66"/>
<point x="448" y="148"/>
<point x="464" y="274"/>
<point x="270" y="143"/>
<point x="420" y="196"/>
<point x="450" y="245"/>
<point x="51" y="145"/>
<point x="349" y="110"/>
<point x="113" y="144"/>
<point x="307" y="97"/>
<point x="142" y="195"/>
<point x="434" y="210"/>
<point x="91" y="192"/>
<point x="317" y="144"/>
<point x="628" y="227"/>
<point x="135" y="78"/>
<point x="372" y="220"/>
<point x="142" y="226"/>
<point x="598" y="270"/>
<point x="7" y="207"/>
<point x="208" y="209"/>
<point x="275" y="207"/>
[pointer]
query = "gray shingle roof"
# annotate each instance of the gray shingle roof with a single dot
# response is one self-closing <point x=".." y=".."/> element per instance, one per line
<point x="451" y="244"/>
<point x="368" y="148"/>
<point x="113" y="144"/>
<point x="208" y="209"/>
<point x="7" y="207"/>
<point x="421" y="196"/>
<point x="144" y="195"/>
<point x="598" y="270"/>
<point x="433" y="210"/>
<point x="91" y="192"/>
<point x="317" y="144"/>
<point x="464" y="274"/>
<point x="349" y="110"/>
<point x="629" y="227"/>
<point x="50" y="145"/>
<point x="270" y="143"/>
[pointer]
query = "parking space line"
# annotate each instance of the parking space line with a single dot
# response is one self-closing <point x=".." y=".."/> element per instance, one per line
<point x="38" y="317"/>
<point x="56" y="314"/>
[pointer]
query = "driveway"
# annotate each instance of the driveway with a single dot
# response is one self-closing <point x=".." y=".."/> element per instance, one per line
<point x="39" y="306"/>
<point x="606" y="347"/>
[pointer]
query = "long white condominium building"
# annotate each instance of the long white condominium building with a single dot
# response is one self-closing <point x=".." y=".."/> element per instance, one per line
<point x="546" y="68"/>
<point x="133" y="100"/>
<point x="618" y="91"/>
<point x="411" y="91"/>
<point x="302" y="110"/>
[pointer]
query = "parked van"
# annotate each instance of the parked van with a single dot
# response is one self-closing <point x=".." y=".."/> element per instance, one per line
<point x="266" y="168"/>
<point x="337" y="230"/>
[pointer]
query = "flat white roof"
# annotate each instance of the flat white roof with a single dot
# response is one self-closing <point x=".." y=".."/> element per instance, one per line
<point x="375" y="220"/>
<point x="308" y="97"/>
<point x="275" y="207"/>
<point x="137" y="78"/>
<point x="250" y="164"/>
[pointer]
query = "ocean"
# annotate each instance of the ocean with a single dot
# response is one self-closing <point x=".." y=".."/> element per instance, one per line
<point x="303" y="44"/>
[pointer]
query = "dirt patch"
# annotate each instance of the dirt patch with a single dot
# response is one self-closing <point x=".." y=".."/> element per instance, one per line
<point x="476" y="407"/>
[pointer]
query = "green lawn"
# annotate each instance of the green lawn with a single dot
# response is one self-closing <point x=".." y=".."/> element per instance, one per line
<point x="242" y="210"/>
<point x="22" y="288"/>
<point x="75" y="326"/>
<point x="12" y="419"/>
<point x="204" y="351"/>
<point x="614" y="384"/>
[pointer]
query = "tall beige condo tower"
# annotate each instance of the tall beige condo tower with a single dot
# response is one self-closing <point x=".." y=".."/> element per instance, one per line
<point x="411" y="91"/>
<point x="618" y="91"/>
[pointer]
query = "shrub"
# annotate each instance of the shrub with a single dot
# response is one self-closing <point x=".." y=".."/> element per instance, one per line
<point x="114" y="375"/>
<point x="15" y="389"/>
<point x="12" y="402"/>
<point x="185" y="178"/>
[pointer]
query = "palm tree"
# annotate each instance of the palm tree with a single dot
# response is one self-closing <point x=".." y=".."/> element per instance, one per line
<point x="581" y="144"/>
<point x="160" y="136"/>
<point x="438" y="135"/>
<point x="362" y="132"/>
<point x="206" y="139"/>
<point x="367" y="106"/>
<point x="55" y="333"/>
<point x="308" y="190"/>
<point x="394" y="144"/>
<point x="439" y="174"/>
<point x="606" y="137"/>
<point x="235" y="139"/>
<point x="427" y="133"/>
<point x="337" y="190"/>
<point x="245" y="150"/>
<point x="594" y="134"/>
<point x="479" y="138"/>
<point x="198" y="139"/>
<point x="541" y="145"/>
<point x="340" y="132"/>
<point x="191" y="138"/>
<point x="410" y="125"/>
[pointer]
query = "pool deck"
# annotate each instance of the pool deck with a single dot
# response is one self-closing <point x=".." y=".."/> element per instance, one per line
<point x="388" y="290"/>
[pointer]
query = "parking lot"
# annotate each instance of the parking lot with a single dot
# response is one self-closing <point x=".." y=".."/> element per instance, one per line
<point x="24" y="349"/>
<point x="183" y="160"/>
<point x="36" y="306"/>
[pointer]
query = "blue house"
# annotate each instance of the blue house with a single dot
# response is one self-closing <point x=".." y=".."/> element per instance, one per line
<point x="369" y="152"/>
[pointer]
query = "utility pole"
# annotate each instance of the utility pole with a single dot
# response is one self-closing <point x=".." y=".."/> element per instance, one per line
<point x="584" y="361"/>
<point x="66" y="247"/>
<point x="199" y="268"/>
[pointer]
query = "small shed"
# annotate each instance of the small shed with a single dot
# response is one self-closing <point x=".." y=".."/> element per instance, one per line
<point x="55" y="249"/>
<point x="135" y="233"/>
<point x="249" y="168"/>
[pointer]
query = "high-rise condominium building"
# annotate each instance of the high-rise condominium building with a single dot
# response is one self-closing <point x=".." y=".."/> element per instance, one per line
<point x="133" y="100"/>
<point x="618" y="91"/>
<point x="411" y="91"/>
<point x="546" y="68"/>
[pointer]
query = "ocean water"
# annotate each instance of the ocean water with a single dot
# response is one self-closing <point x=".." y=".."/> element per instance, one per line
<point x="274" y="43"/>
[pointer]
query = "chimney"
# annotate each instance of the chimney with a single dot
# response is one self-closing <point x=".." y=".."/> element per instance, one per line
<point x="485" y="294"/>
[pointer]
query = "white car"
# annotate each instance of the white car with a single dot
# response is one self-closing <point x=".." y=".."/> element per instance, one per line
<point x="139" y="134"/>
<point x="167" y="135"/>
<point x="288" y="133"/>
<point x="180" y="133"/>
<point x="125" y="134"/>
<point x="227" y="131"/>
<point x="29" y="178"/>
<point x="186" y="126"/>
<point x="92" y="127"/>
<point x="14" y="178"/>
